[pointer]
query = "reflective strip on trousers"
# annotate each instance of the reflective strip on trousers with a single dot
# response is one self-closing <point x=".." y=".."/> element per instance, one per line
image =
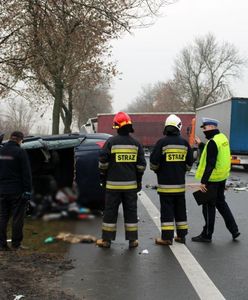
<point x="167" y="226"/>
<point x="121" y="185"/>
<point x="108" y="227"/>
<point x="164" y="188"/>
<point x="131" y="227"/>
<point x="182" y="225"/>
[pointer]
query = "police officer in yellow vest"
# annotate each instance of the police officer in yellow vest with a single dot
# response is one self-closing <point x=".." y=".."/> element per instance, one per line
<point x="170" y="159"/>
<point x="213" y="170"/>
<point x="121" y="164"/>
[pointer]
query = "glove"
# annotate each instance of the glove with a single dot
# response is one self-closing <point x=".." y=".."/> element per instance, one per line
<point x="26" y="196"/>
<point x="30" y="208"/>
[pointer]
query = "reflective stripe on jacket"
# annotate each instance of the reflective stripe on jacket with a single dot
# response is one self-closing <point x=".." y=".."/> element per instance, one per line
<point x="123" y="162"/>
<point x="170" y="159"/>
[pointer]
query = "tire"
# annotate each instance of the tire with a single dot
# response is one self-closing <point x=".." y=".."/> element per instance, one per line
<point x="245" y="167"/>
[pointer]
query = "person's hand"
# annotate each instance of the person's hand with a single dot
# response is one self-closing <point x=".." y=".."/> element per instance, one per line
<point x="197" y="140"/>
<point x="203" y="188"/>
<point x="30" y="207"/>
<point x="26" y="196"/>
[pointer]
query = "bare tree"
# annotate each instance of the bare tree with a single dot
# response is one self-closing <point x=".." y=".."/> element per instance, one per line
<point x="203" y="71"/>
<point x="58" y="44"/>
<point x="166" y="98"/>
<point x="144" y="102"/>
<point x="89" y="103"/>
<point x="18" y="116"/>
<point x="161" y="96"/>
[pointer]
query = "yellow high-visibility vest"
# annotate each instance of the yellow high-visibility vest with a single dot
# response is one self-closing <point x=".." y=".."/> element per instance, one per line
<point x="223" y="162"/>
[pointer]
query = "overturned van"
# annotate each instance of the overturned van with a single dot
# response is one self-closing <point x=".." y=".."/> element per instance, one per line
<point x="60" y="161"/>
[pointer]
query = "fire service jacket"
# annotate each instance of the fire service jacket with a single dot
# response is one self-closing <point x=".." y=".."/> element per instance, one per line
<point x="171" y="157"/>
<point x="122" y="163"/>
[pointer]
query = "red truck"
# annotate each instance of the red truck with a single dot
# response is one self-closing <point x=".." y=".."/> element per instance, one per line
<point x="148" y="127"/>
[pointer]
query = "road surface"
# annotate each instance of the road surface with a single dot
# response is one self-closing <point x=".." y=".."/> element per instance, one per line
<point x="192" y="271"/>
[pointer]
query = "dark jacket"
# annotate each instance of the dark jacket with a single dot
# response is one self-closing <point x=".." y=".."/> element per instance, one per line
<point x="15" y="171"/>
<point x="122" y="162"/>
<point x="170" y="159"/>
<point x="212" y="152"/>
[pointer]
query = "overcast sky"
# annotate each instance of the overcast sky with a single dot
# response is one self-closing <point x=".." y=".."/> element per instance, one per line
<point x="147" y="56"/>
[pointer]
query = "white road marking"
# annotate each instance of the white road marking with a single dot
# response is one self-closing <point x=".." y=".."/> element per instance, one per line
<point x="199" y="279"/>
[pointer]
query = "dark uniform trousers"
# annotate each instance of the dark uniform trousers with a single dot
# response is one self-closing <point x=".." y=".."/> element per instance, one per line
<point x="209" y="211"/>
<point x="12" y="205"/>
<point x="112" y="203"/>
<point x="173" y="208"/>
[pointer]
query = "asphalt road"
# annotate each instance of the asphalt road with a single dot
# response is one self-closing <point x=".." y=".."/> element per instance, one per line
<point x="196" y="271"/>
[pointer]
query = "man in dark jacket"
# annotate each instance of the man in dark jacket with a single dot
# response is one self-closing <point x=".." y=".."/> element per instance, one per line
<point x="122" y="164"/>
<point x="213" y="170"/>
<point x="170" y="159"/>
<point x="1" y="138"/>
<point x="15" y="189"/>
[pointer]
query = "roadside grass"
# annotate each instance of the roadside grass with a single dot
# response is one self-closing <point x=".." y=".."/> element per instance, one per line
<point x="37" y="231"/>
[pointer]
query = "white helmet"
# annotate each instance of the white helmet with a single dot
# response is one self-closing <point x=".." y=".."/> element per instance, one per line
<point x="173" y="120"/>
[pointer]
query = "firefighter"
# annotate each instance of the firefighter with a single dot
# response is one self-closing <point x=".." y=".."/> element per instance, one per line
<point x="170" y="159"/>
<point x="213" y="170"/>
<point x="121" y="164"/>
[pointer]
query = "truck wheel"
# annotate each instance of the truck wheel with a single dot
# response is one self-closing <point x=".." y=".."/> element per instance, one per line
<point x="245" y="167"/>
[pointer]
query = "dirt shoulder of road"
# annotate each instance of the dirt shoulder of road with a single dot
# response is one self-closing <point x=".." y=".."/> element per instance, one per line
<point x="36" y="273"/>
<point x="35" y="276"/>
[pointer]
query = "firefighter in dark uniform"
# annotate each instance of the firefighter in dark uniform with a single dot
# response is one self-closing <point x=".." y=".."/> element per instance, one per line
<point x="213" y="170"/>
<point x="121" y="164"/>
<point x="15" y="189"/>
<point x="170" y="159"/>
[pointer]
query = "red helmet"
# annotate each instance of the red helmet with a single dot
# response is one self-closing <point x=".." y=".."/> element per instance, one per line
<point x="121" y="119"/>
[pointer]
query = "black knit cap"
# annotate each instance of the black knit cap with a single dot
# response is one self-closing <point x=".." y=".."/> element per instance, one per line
<point x="17" y="134"/>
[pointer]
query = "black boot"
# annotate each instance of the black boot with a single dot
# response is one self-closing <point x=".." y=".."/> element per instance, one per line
<point x="201" y="239"/>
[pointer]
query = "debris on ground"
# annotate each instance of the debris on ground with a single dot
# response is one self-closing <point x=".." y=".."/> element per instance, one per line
<point x="242" y="189"/>
<point x="18" y="297"/>
<point x="236" y="184"/>
<point x="75" y="238"/>
<point x="62" y="205"/>
<point x="151" y="186"/>
<point x="145" y="251"/>
<point x="233" y="182"/>
<point x="86" y="217"/>
<point x="49" y="240"/>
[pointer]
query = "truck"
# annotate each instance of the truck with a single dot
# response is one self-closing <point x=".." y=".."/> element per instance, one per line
<point x="232" y="115"/>
<point x="148" y="127"/>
